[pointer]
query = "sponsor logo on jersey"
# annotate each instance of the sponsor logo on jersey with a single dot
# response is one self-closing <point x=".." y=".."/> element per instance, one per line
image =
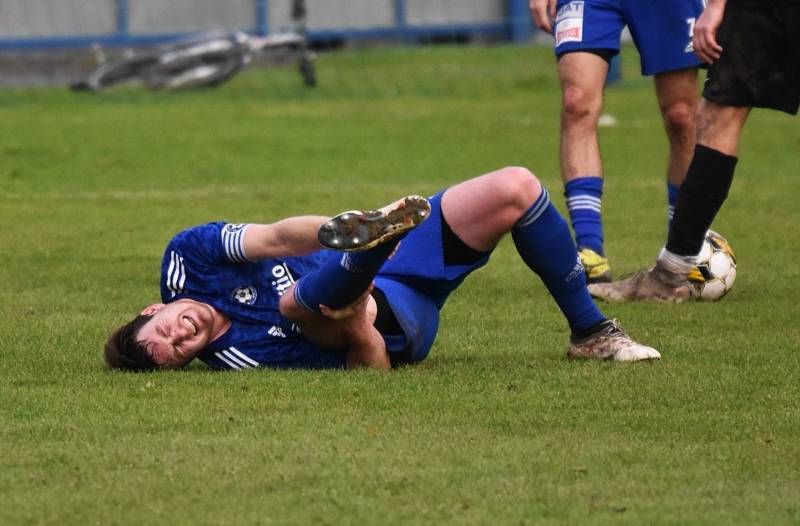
<point x="276" y="331"/>
<point x="569" y="23"/>
<point x="282" y="279"/>
<point x="246" y="294"/>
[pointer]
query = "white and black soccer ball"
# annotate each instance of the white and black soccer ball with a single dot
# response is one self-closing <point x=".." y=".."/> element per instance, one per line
<point x="716" y="269"/>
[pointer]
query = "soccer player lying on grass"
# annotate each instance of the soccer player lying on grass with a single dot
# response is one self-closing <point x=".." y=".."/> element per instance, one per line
<point x="246" y="295"/>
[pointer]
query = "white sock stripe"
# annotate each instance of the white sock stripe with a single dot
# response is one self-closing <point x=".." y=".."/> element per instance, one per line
<point x="230" y="363"/>
<point x="535" y="211"/>
<point x="299" y="298"/>
<point x="584" y="203"/>
<point x="243" y="356"/>
<point x="584" y="207"/>
<point x="581" y="197"/>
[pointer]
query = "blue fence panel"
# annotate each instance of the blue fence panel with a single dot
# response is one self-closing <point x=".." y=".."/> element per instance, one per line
<point x="516" y="27"/>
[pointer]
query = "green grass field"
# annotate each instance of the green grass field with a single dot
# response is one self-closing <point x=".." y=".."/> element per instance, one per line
<point x="496" y="427"/>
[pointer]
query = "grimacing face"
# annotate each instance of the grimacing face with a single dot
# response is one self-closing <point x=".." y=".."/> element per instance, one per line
<point x="177" y="332"/>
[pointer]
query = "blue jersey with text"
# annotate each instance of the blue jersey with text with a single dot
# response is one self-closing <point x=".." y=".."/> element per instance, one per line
<point x="207" y="263"/>
<point x="661" y="29"/>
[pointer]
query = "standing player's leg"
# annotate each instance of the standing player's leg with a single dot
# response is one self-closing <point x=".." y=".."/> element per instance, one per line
<point x="677" y="100"/>
<point x="662" y="32"/>
<point x="707" y="182"/>
<point x="482" y="210"/>
<point x="754" y="70"/>
<point x="702" y="193"/>
<point x="587" y="35"/>
<point x="582" y="78"/>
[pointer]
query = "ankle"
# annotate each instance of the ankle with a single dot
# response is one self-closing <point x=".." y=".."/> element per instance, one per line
<point x="671" y="272"/>
<point x="675" y="264"/>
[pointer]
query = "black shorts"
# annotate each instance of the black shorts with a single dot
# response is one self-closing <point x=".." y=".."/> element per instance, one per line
<point x="760" y="62"/>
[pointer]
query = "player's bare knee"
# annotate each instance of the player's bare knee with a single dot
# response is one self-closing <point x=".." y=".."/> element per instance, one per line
<point x="679" y="120"/>
<point x="520" y="187"/>
<point x="579" y="106"/>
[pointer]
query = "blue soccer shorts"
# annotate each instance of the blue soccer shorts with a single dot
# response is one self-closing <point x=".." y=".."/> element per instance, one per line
<point x="661" y="30"/>
<point x="417" y="280"/>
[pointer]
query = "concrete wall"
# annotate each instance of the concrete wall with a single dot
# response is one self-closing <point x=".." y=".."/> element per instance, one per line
<point x="56" y="18"/>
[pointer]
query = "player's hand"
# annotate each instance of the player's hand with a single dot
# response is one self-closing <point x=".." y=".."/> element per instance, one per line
<point x="354" y="310"/>
<point x="704" y="39"/>
<point x="543" y="12"/>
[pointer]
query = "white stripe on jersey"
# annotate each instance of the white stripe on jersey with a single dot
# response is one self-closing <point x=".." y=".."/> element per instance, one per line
<point x="236" y="359"/>
<point x="230" y="364"/>
<point x="243" y="356"/>
<point x="232" y="358"/>
<point x="176" y="274"/>
<point x="233" y="242"/>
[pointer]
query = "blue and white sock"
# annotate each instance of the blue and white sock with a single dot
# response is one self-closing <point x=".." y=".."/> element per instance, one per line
<point x="584" y="197"/>
<point x="342" y="278"/>
<point x="672" y="198"/>
<point x="543" y="241"/>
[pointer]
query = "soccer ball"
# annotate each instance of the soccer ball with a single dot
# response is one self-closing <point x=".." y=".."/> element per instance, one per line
<point x="716" y="269"/>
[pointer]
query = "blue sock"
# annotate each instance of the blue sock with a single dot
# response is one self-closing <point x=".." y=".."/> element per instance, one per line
<point x="342" y="278"/>
<point x="672" y="198"/>
<point x="583" y="202"/>
<point x="542" y="239"/>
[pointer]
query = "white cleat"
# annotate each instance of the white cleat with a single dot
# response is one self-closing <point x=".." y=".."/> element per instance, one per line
<point x="611" y="343"/>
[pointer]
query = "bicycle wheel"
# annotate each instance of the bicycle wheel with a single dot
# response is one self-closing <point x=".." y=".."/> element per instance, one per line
<point x="115" y="72"/>
<point x="203" y="63"/>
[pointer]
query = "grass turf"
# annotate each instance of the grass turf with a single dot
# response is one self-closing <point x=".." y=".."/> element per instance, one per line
<point x="496" y="426"/>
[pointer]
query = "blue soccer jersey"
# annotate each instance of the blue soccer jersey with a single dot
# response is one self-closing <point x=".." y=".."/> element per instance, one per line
<point x="207" y="263"/>
<point x="661" y="29"/>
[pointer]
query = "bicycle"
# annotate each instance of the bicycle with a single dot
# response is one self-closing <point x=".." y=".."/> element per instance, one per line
<point x="206" y="59"/>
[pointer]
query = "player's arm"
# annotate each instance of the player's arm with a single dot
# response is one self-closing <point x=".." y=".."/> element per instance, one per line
<point x="543" y="12"/>
<point x="704" y="38"/>
<point x="365" y="345"/>
<point x="294" y="236"/>
<point x="350" y="327"/>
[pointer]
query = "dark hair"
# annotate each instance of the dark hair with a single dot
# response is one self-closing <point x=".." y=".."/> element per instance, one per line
<point x="123" y="351"/>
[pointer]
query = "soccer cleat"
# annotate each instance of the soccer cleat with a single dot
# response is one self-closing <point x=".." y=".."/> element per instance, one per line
<point x="595" y="266"/>
<point x="356" y="230"/>
<point x="611" y="342"/>
<point x="656" y="284"/>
